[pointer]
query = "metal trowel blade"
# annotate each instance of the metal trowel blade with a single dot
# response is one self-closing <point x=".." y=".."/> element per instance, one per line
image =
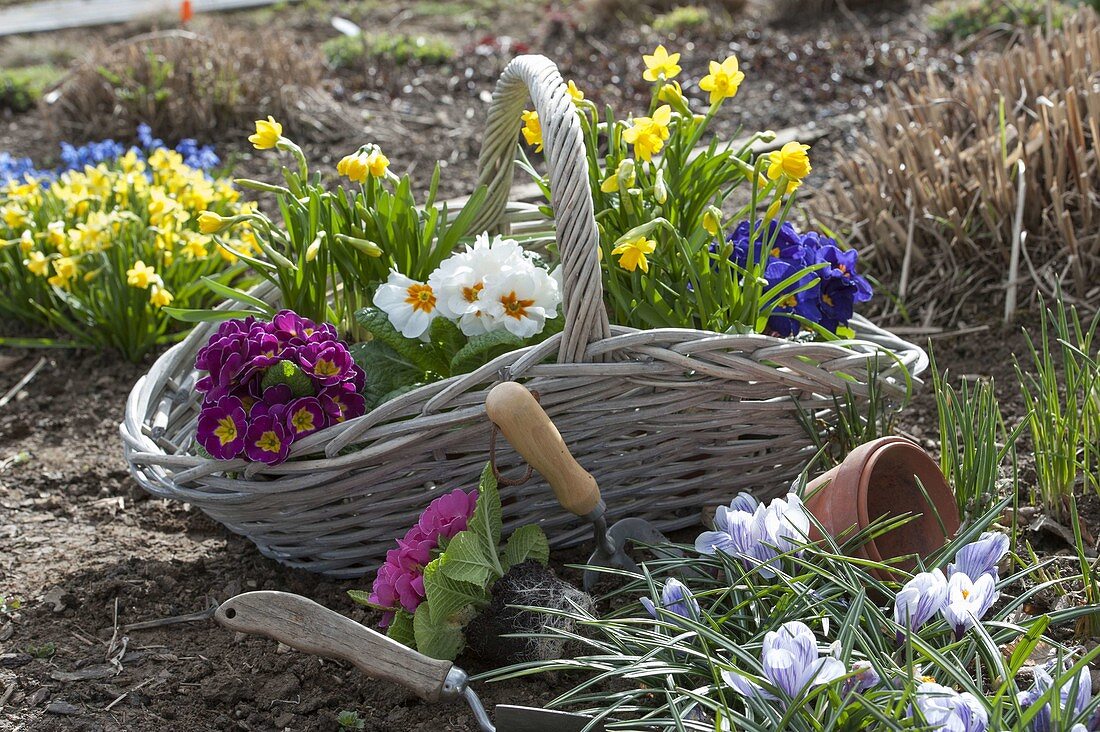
<point x="531" y="719"/>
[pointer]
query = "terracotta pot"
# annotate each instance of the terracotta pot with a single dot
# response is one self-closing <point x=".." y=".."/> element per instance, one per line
<point x="876" y="480"/>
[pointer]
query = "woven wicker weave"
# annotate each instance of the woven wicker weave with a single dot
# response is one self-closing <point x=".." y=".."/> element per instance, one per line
<point x="667" y="420"/>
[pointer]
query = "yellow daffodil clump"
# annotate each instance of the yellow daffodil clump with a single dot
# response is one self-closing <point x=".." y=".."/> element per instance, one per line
<point x="105" y="248"/>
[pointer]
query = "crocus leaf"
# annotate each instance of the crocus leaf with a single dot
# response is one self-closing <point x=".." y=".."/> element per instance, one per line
<point x="526" y="542"/>
<point x="437" y="638"/>
<point x="449" y="597"/>
<point x="289" y="373"/>
<point x="401" y="629"/>
<point x="1027" y="643"/>
<point x="482" y="349"/>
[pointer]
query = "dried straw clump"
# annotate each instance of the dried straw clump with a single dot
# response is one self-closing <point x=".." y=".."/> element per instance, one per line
<point x="208" y="85"/>
<point x="934" y="195"/>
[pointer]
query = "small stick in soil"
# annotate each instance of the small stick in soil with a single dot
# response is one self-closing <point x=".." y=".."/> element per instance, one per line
<point x="173" y="620"/>
<point x="22" y="382"/>
<point x="126" y="694"/>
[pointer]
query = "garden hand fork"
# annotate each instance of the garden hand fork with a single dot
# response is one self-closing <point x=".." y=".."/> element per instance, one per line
<point x="514" y="409"/>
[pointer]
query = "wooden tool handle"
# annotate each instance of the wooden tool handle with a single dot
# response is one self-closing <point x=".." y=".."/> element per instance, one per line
<point x="528" y="428"/>
<point x="303" y="624"/>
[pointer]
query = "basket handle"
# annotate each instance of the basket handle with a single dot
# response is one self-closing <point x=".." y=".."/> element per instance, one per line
<point x="536" y="77"/>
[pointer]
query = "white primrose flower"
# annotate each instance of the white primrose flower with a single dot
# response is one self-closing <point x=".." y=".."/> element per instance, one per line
<point x="410" y="305"/>
<point x="519" y="301"/>
<point x="460" y="278"/>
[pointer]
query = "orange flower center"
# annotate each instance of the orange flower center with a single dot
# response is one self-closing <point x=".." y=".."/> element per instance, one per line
<point x="514" y="307"/>
<point x="421" y="297"/>
<point x="470" y="293"/>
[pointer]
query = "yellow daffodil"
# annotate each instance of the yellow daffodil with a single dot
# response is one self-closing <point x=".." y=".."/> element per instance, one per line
<point x="532" y="129"/>
<point x="791" y="160"/>
<point x="160" y="297"/>
<point x="56" y="234"/>
<point x="648" y="134"/>
<point x="37" y="263"/>
<point x="141" y="275"/>
<point x="632" y="254"/>
<point x="14" y="216"/>
<point x="212" y="223"/>
<point x="362" y="163"/>
<point x="26" y="241"/>
<point x="576" y="94"/>
<point x="723" y="80"/>
<point x="660" y="65"/>
<point x="195" y="248"/>
<point x="268" y="132"/>
<point x="65" y="268"/>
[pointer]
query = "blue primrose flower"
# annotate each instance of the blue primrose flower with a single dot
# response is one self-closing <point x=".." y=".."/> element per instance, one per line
<point x="945" y="709"/>
<point x="1073" y="697"/>
<point x="830" y="302"/>
<point x="791" y="664"/>
<point x="676" y="598"/>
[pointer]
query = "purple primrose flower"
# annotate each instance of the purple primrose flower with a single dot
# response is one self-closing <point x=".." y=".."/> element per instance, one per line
<point x="222" y="427"/>
<point x="267" y="440"/>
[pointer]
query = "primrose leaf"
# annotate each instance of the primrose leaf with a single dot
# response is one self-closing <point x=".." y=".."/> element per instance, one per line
<point x="412" y="351"/>
<point x="466" y="560"/>
<point x="446" y="338"/>
<point x="360" y="597"/>
<point x="487" y="520"/>
<point x="385" y="370"/>
<point x="449" y="597"/>
<point x="401" y="629"/>
<point x="482" y="349"/>
<point x="289" y="373"/>
<point x="526" y="542"/>
<point x="440" y="639"/>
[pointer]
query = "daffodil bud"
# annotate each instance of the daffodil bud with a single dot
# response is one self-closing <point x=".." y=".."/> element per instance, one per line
<point x="364" y="245"/>
<point x="212" y="223"/>
<point x="626" y="174"/>
<point x="712" y="220"/>
<point x="672" y="95"/>
<point x="314" y="247"/>
<point x="660" y="192"/>
<point x="773" y="210"/>
<point x="766" y="136"/>
<point x="640" y="231"/>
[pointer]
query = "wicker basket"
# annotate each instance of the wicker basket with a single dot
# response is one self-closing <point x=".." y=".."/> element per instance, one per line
<point x="667" y="420"/>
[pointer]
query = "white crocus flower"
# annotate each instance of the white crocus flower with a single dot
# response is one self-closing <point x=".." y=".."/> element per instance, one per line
<point x="410" y="305"/>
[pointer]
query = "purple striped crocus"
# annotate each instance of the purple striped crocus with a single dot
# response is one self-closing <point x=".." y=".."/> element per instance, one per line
<point x="968" y="600"/>
<point x="946" y="709"/>
<point x="792" y="665"/>
<point x="918" y="600"/>
<point x="981" y="556"/>
<point x="1073" y="697"/>
<point x="676" y="599"/>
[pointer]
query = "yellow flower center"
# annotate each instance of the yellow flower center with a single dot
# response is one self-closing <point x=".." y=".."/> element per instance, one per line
<point x="226" y="430"/>
<point x="269" y="442"/>
<point x="789" y="302"/>
<point x="966" y="594"/>
<point x="420" y="297"/>
<point x="827" y="300"/>
<point x="515" y="307"/>
<point x="325" y="367"/>
<point x="303" y="420"/>
<point x="928" y="679"/>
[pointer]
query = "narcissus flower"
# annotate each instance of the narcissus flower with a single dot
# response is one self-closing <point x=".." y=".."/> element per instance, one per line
<point x="791" y="160"/>
<point x="410" y="305"/>
<point x="160" y="297"/>
<point x="64" y="272"/>
<point x="660" y="65"/>
<point x="723" y="80"/>
<point x="37" y="263"/>
<point x="648" y="134"/>
<point x="532" y="129"/>
<point x="141" y="275"/>
<point x="622" y="179"/>
<point x="267" y="135"/>
<point x="633" y="254"/>
<point x="576" y="94"/>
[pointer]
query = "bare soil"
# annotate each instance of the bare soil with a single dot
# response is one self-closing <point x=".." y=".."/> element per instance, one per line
<point x="89" y="553"/>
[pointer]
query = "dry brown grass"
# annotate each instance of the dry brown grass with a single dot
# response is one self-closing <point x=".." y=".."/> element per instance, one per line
<point x="209" y="85"/>
<point x="933" y="193"/>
